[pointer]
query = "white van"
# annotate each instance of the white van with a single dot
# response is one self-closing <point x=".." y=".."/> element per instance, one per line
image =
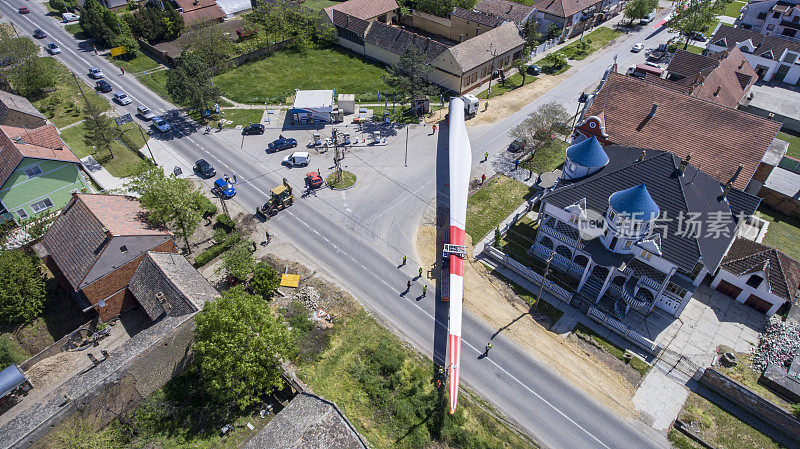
<point x="650" y="17"/>
<point x="296" y="159"/>
<point x="68" y="17"/>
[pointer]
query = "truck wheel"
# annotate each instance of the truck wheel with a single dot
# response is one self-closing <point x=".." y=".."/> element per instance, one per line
<point x="273" y="212"/>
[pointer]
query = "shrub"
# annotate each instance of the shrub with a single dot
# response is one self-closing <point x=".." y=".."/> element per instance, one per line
<point x="219" y="235"/>
<point x="211" y="253"/>
<point x="497" y="237"/>
<point x="265" y="280"/>
<point x="209" y="208"/>
<point x="226" y="221"/>
<point x="796" y="410"/>
<point x="10" y="352"/>
<point x="22" y="287"/>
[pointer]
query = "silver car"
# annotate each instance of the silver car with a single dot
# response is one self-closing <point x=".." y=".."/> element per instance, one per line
<point x="122" y="98"/>
<point x="145" y="113"/>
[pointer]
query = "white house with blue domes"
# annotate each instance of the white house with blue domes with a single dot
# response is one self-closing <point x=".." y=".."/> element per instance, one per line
<point x="621" y="223"/>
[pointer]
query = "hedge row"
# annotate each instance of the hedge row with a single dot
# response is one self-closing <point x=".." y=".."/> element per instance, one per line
<point x="211" y="253"/>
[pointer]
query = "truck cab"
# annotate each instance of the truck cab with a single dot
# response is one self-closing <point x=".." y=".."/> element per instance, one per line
<point x="471" y="104"/>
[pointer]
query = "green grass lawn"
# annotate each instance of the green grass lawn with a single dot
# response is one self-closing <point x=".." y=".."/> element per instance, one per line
<point x="10" y="351"/>
<point x="157" y="82"/>
<point x="592" y="42"/>
<point x="241" y="117"/>
<point x="690" y="48"/>
<point x="319" y="4"/>
<point x="348" y="179"/>
<point x="794" y="144"/>
<point x="275" y="78"/>
<point x="387" y="392"/>
<point x="550" y="70"/>
<point x="487" y="207"/>
<point x="65" y="105"/>
<point x="748" y="377"/>
<point x="140" y="63"/>
<point x="636" y="363"/>
<point x="125" y="163"/>
<point x="783" y="232"/>
<point x="512" y="82"/>
<point x="722" y="429"/>
<point x="711" y="27"/>
<point x="548" y="158"/>
<point x="732" y="9"/>
<point x="76" y="30"/>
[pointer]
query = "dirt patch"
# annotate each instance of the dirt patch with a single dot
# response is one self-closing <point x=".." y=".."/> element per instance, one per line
<point x="493" y="301"/>
<point x="631" y="375"/>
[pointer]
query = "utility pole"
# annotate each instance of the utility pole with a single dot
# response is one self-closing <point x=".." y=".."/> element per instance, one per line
<point x="544" y="278"/>
<point x="406" y="160"/>
<point x="491" y="71"/>
<point x="337" y="156"/>
<point x="147" y="144"/>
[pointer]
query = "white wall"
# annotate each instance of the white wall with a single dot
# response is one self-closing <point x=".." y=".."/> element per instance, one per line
<point x="762" y="291"/>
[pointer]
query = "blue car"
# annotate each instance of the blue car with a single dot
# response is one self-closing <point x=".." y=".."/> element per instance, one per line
<point x="161" y="124"/>
<point x="281" y="143"/>
<point x="223" y="188"/>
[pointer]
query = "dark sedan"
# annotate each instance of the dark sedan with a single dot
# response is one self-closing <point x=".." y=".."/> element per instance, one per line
<point x="253" y="128"/>
<point x="281" y="143"/>
<point x="534" y="69"/>
<point x="103" y="86"/>
<point x="205" y="169"/>
<point x="39" y="34"/>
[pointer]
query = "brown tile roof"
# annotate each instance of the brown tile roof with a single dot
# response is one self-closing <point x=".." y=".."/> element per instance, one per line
<point x="482" y="18"/>
<point x="478" y="50"/>
<point x="348" y="22"/>
<point x="727" y="36"/>
<point x="724" y="77"/>
<point x="747" y="256"/>
<point x="363" y="9"/>
<point x="658" y="81"/>
<point x="719" y="138"/>
<point x="89" y="224"/>
<point x="505" y="9"/>
<point x="564" y="8"/>
<point x="396" y="40"/>
<point x="41" y="143"/>
<point x="198" y="11"/>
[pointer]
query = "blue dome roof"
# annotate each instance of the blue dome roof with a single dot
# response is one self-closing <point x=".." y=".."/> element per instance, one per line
<point x="635" y="202"/>
<point x="588" y="153"/>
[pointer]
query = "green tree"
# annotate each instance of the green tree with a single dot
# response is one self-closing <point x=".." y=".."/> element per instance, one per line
<point x="213" y="45"/>
<point x="155" y="24"/>
<point x="63" y="5"/>
<point x="265" y="280"/>
<point x="32" y="76"/>
<point x="190" y="81"/>
<point x="409" y="77"/>
<point x="239" y="346"/>
<point x="530" y="31"/>
<point x="170" y="201"/>
<point x="22" y="288"/>
<point x="553" y="31"/>
<point x="553" y="62"/>
<point x="522" y="68"/>
<point x="695" y="16"/>
<point x="100" y="129"/>
<point x="238" y="262"/>
<point x="108" y="29"/>
<point x="639" y="9"/>
<point x="539" y="129"/>
<point x="443" y="8"/>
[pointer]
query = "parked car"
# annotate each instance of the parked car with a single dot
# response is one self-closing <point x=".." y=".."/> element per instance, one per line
<point x="145" y="113"/>
<point x="122" y="98"/>
<point x="223" y="188"/>
<point x="39" y="33"/>
<point x="313" y="180"/>
<point x="103" y="86"/>
<point x="517" y="145"/>
<point x="650" y="17"/>
<point x="161" y="124"/>
<point x="95" y="73"/>
<point x="53" y="49"/>
<point x="68" y="17"/>
<point x="697" y="36"/>
<point x="24" y="10"/>
<point x="205" y="169"/>
<point x="281" y="143"/>
<point x="296" y="159"/>
<point x="534" y="69"/>
<point x="637" y="47"/>
<point x="253" y="128"/>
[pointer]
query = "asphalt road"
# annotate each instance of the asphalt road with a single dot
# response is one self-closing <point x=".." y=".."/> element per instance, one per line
<point x="360" y="242"/>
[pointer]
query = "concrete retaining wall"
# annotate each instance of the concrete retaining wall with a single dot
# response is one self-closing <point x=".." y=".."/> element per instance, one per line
<point x="759" y="407"/>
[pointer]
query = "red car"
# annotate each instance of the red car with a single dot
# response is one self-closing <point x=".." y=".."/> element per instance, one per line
<point x="24" y="10"/>
<point x="313" y="180"/>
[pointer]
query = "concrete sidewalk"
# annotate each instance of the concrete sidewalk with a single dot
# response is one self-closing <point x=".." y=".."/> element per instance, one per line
<point x="101" y="176"/>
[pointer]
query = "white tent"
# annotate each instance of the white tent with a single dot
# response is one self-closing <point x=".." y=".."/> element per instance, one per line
<point x="312" y="106"/>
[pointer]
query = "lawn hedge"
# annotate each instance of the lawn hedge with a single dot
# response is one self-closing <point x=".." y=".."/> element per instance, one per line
<point x="214" y="251"/>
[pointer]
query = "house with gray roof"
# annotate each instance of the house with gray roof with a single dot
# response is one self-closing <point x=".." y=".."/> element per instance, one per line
<point x="308" y="422"/>
<point x="166" y="283"/>
<point x="507" y="10"/>
<point x="774" y="58"/>
<point x="17" y="111"/>
<point x="95" y="246"/>
<point x="637" y="228"/>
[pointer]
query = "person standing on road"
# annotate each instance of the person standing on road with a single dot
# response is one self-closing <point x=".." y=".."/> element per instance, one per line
<point x="486" y="350"/>
<point x="408" y="286"/>
<point x="220" y="125"/>
<point x="516" y="164"/>
<point x="404" y="261"/>
<point x="424" y="290"/>
<point x="420" y="271"/>
<point x="123" y="70"/>
<point x="483" y="178"/>
<point x="485" y="156"/>
<point x="95" y="50"/>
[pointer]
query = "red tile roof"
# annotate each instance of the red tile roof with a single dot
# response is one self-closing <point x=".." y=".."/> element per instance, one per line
<point x="718" y="137"/>
<point x="120" y="214"/>
<point x="363" y="9"/>
<point x="724" y="77"/>
<point x="564" y="8"/>
<point x="40" y="143"/>
<point x="783" y="272"/>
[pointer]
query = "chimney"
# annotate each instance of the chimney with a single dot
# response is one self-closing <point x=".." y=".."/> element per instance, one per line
<point x="642" y="155"/>
<point x="741" y="64"/>
<point x="736" y="175"/>
<point x="716" y="92"/>
<point x="684" y="163"/>
<point x="653" y="110"/>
